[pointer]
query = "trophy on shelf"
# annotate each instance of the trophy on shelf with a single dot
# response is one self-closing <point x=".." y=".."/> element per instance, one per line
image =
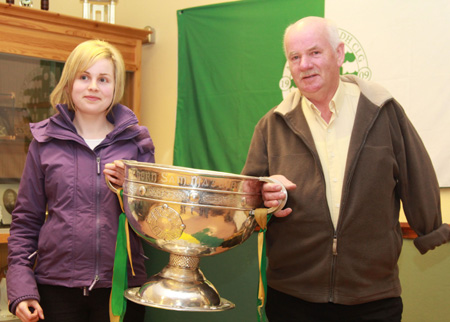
<point x="26" y="3"/>
<point x="100" y="10"/>
<point x="190" y="214"/>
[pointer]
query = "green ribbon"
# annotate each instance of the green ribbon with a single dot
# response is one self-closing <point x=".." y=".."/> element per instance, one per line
<point x="118" y="303"/>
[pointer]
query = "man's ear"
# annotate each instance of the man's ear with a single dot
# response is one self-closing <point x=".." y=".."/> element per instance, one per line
<point x="340" y="54"/>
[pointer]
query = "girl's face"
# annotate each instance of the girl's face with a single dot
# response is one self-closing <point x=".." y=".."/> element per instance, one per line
<point x="93" y="89"/>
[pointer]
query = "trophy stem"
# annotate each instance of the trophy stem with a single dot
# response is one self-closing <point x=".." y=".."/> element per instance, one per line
<point x="182" y="261"/>
<point x="180" y="286"/>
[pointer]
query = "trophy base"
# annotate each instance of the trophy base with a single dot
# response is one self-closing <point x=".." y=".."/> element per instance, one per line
<point x="133" y="295"/>
<point x="180" y="288"/>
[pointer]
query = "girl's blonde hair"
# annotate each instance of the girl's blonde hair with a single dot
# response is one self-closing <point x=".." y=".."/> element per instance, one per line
<point x="80" y="59"/>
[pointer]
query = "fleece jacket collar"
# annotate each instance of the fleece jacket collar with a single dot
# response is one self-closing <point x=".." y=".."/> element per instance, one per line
<point x="61" y="124"/>
<point x="374" y="92"/>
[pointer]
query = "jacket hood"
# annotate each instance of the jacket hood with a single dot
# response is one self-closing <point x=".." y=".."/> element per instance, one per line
<point x="374" y="92"/>
<point x="61" y="124"/>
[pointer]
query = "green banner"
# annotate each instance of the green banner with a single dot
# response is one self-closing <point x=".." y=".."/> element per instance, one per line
<point x="231" y="61"/>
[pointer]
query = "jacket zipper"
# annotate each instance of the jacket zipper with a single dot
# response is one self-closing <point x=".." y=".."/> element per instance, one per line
<point x="333" y="266"/>
<point x="86" y="290"/>
<point x="335" y="245"/>
<point x="97" y="229"/>
<point x="97" y="226"/>
<point x="94" y="282"/>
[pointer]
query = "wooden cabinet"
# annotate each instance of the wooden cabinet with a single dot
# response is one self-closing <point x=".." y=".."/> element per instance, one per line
<point x="52" y="36"/>
<point x="34" y="45"/>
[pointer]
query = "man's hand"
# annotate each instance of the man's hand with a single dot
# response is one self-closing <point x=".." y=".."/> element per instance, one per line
<point x="115" y="172"/>
<point x="272" y="194"/>
<point x="29" y="311"/>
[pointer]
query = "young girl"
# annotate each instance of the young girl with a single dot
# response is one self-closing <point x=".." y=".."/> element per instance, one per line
<point x="61" y="265"/>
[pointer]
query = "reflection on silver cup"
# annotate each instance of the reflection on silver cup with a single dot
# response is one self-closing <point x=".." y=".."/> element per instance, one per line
<point x="188" y="213"/>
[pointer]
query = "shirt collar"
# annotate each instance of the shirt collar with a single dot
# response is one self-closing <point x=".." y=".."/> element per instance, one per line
<point x="335" y="103"/>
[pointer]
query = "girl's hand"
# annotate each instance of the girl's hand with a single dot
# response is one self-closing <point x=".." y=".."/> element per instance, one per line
<point x="115" y="172"/>
<point x="29" y="311"/>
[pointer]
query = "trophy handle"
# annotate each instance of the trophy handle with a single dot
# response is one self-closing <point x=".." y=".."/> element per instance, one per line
<point x="282" y="202"/>
<point x="110" y="186"/>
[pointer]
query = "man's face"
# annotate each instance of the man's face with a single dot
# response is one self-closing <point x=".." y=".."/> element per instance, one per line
<point x="10" y="198"/>
<point x="313" y="63"/>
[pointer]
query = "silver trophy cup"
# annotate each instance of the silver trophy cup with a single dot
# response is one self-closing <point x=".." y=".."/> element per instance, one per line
<point x="188" y="213"/>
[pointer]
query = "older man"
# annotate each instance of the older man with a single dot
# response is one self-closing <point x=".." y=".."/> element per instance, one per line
<point x="351" y="155"/>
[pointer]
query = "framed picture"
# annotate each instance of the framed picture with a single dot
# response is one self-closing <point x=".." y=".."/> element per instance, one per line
<point x="8" y="198"/>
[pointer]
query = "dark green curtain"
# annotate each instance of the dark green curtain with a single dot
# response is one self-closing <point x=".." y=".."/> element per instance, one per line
<point x="230" y="64"/>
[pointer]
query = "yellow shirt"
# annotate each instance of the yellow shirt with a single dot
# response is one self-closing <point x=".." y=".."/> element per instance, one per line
<point x="332" y="139"/>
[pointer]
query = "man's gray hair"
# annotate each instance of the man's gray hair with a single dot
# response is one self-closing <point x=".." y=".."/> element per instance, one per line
<point x="333" y="32"/>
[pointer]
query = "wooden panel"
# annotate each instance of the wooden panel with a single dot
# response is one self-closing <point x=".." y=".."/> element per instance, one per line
<point x="48" y="35"/>
<point x="4" y="238"/>
<point x="407" y="231"/>
<point x="12" y="158"/>
<point x="3" y="258"/>
<point x="26" y="36"/>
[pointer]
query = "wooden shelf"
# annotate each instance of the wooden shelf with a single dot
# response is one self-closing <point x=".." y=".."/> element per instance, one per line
<point x="4" y="234"/>
<point x="4" y="238"/>
<point x="9" y="318"/>
<point x="407" y="231"/>
<point x="48" y="35"/>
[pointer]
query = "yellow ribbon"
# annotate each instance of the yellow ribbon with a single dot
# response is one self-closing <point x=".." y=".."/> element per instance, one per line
<point x="261" y="219"/>
<point x="119" y="193"/>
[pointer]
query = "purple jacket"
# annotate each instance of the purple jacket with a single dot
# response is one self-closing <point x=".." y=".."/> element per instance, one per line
<point x="76" y="243"/>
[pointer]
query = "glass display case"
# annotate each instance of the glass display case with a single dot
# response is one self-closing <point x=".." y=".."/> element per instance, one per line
<point x="25" y="87"/>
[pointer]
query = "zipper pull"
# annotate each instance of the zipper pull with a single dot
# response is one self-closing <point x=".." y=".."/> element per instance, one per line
<point x="335" y="246"/>
<point x="86" y="290"/>
<point x="98" y="165"/>
<point x="93" y="283"/>
<point x="32" y="255"/>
